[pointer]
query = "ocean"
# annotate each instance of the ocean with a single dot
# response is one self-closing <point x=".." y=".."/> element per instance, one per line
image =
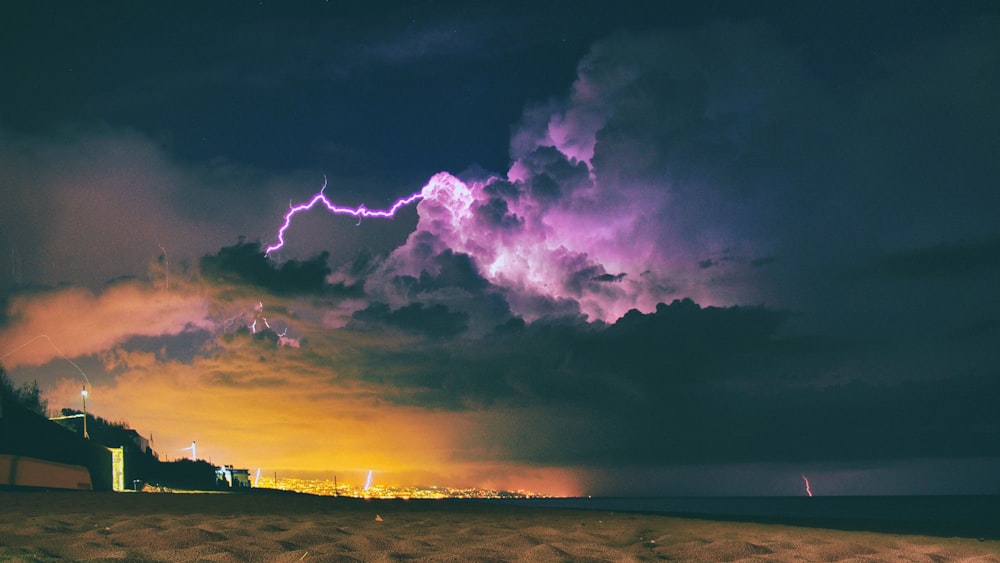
<point x="972" y="516"/>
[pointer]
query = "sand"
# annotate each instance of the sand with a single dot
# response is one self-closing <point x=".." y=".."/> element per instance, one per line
<point x="49" y="526"/>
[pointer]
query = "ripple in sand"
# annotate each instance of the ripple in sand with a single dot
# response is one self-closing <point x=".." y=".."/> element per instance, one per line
<point x="171" y="538"/>
<point x="367" y="543"/>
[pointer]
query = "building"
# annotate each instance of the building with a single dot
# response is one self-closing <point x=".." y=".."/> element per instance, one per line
<point x="35" y="452"/>
<point x="233" y="478"/>
<point x="141" y="442"/>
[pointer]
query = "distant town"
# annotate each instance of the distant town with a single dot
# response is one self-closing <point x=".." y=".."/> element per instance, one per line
<point x="81" y="451"/>
<point x="329" y="487"/>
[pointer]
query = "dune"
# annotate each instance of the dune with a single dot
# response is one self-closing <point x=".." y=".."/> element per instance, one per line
<point x="275" y="526"/>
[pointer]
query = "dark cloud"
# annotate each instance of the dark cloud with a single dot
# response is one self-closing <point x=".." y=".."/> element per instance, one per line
<point x="582" y="274"/>
<point x="435" y="321"/>
<point x="945" y="417"/>
<point x="609" y="278"/>
<point x="454" y="270"/>
<point x="811" y="188"/>
<point x="557" y="361"/>
<point x="687" y="384"/>
<point x="452" y="280"/>
<point x="961" y="259"/>
<point x="246" y="263"/>
<point x="978" y="330"/>
<point x="182" y="347"/>
<point x="552" y="175"/>
<point x="496" y="214"/>
<point x="714" y="424"/>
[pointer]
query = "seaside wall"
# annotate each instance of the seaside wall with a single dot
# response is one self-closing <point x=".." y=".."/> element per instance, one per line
<point x="19" y="471"/>
<point x="27" y="434"/>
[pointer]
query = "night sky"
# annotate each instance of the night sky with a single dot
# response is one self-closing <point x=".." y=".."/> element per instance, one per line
<point x="658" y="248"/>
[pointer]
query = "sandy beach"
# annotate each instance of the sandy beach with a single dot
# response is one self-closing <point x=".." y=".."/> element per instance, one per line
<point x="48" y="526"/>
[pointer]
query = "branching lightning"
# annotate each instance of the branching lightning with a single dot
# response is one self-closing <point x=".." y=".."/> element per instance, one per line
<point x="360" y="212"/>
<point x="257" y="320"/>
<point x="260" y="316"/>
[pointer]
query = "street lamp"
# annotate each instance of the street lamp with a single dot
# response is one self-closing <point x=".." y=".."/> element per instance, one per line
<point x="84" y="394"/>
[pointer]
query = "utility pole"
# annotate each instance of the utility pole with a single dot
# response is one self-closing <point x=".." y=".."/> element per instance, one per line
<point x="84" y="394"/>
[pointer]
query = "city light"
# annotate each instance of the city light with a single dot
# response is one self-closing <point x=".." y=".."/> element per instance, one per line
<point x="328" y="487"/>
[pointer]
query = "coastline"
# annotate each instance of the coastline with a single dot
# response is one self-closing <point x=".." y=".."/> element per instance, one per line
<point x="970" y="516"/>
<point x="284" y="526"/>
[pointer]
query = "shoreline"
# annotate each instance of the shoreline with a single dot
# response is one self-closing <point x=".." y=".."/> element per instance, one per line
<point x="284" y="525"/>
<point x="972" y="516"/>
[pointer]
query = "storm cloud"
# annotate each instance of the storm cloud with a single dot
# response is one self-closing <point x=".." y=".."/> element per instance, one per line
<point x="650" y="246"/>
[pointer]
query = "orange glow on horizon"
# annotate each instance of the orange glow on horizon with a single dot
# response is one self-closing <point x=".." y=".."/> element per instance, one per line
<point x="345" y="434"/>
<point x="247" y="403"/>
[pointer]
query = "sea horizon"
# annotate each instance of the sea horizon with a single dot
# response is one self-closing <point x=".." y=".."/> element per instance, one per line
<point x="963" y="515"/>
<point x="967" y="515"/>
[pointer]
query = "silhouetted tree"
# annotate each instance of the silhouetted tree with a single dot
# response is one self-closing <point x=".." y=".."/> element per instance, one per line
<point x="103" y="431"/>
<point x="27" y="395"/>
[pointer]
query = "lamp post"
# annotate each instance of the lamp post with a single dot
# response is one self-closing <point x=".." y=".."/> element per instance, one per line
<point x="84" y="394"/>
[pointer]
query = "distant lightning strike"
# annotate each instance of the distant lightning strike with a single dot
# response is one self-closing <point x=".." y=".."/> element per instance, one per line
<point x="252" y="320"/>
<point x="194" y="450"/>
<point x="360" y="212"/>
<point x="260" y="315"/>
<point x="808" y="488"/>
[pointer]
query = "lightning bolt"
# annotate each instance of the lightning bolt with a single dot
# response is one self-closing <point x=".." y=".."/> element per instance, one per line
<point x="194" y="450"/>
<point x="230" y="321"/>
<point x="360" y="212"/>
<point x="260" y="315"/>
<point x="808" y="488"/>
